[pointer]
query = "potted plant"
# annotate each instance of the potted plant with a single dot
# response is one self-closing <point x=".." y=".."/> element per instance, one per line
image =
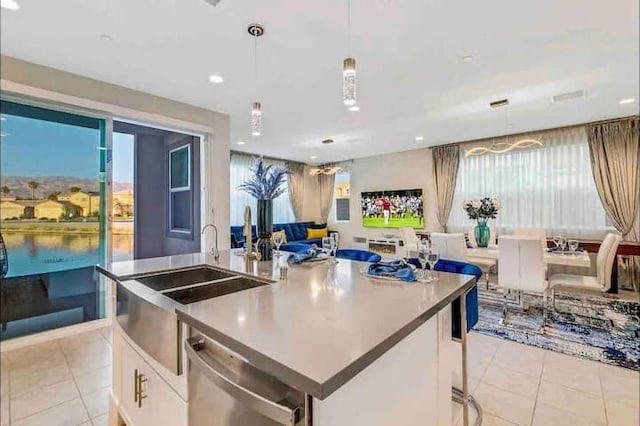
<point x="265" y="185"/>
<point x="482" y="210"/>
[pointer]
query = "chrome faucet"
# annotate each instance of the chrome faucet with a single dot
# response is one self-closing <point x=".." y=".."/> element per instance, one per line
<point x="214" y="250"/>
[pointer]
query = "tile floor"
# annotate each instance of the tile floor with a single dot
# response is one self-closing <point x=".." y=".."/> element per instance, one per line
<point x="66" y="382"/>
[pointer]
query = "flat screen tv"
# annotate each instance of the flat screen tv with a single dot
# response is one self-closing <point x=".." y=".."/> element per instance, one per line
<point x="392" y="209"/>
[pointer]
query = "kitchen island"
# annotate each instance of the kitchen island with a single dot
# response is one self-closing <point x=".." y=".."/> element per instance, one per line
<point x="329" y="345"/>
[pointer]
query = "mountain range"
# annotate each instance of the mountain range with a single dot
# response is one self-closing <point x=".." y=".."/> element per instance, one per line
<point x="19" y="188"/>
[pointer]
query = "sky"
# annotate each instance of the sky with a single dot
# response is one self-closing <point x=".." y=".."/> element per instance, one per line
<point x="38" y="148"/>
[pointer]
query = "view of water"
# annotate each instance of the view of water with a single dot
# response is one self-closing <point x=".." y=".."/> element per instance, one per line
<point x="30" y="253"/>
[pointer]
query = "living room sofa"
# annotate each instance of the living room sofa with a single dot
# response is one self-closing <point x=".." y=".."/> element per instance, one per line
<point x="296" y="233"/>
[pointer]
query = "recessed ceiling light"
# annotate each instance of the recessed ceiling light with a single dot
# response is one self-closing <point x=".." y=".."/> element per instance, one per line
<point x="354" y="108"/>
<point x="106" y="37"/>
<point x="419" y="138"/>
<point x="467" y="58"/>
<point x="327" y="141"/>
<point x="216" y="78"/>
<point x="241" y="142"/>
<point x="313" y="157"/>
<point x="9" y="4"/>
<point x="628" y="101"/>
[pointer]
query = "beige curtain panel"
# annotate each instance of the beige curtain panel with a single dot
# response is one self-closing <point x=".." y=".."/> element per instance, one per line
<point x="296" y="187"/>
<point x="446" y="160"/>
<point x="615" y="162"/>
<point x="326" y="184"/>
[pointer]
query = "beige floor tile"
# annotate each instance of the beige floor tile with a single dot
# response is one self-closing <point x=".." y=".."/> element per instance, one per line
<point x="29" y="382"/>
<point x="512" y="380"/>
<point x="622" y="414"/>
<point x="548" y="415"/>
<point x="66" y="414"/>
<point x="580" y="403"/>
<point x="522" y="358"/>
<point x="97" y="402"/>
<point x="93" y="347"/>
<point x="79" y="341"/>
<point x="103" y="420"/>
<point x="26" y="361"/>
<point x="107" y="332"/>
<point x="81" y="365"/>
<point x="4" y="410"/>
<point x="94" y="380"/>
<point x="574" y="373"/>
<point x="42" y="399"/>
<point x="620" y="385"/>
<point x="504" y="404"/>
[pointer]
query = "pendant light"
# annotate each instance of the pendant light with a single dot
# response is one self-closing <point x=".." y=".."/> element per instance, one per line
<point x="256" y="30"/>
<point x="349" y="94"/>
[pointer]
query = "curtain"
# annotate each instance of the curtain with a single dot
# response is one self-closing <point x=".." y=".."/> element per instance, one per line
<point x="240" y="166"/>
<point x="615" y="161"/>
<point x="326" y="184"/>
<point x="296" y="187"/>
<point x="549" y="187"/>
<point x="445" y="167"/>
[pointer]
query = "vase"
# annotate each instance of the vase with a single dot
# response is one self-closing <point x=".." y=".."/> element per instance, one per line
<point x="482" y="233"/>
<point x="264" y="222"/>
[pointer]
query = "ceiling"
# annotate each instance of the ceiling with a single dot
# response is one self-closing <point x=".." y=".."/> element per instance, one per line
<point x="412" y="80"/>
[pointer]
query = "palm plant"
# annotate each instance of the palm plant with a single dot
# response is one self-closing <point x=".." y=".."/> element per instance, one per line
<point x="33" y="185"/>
<point x="267" y="182"/>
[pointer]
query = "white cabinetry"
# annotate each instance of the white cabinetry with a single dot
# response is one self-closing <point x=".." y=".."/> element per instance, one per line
<point x="145" y="399"/>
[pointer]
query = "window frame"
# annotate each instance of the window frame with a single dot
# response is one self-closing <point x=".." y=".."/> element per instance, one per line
<point x="171" y="231"/>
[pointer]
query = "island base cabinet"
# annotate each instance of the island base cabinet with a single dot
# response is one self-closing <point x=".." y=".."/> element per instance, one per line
<point x="409" y="384"/>
<point x="146" y="399"/>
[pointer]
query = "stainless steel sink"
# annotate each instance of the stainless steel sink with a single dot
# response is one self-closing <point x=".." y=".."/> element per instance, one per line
<point x="207" y="291"/>
<point x="169" y="280"/>
<point x="146" y="306"/>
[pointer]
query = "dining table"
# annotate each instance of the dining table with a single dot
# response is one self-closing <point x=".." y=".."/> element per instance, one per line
<point x="580" y="258"/>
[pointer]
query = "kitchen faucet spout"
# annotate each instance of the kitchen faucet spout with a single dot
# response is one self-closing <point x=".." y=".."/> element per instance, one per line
<point x="214" y="250"/>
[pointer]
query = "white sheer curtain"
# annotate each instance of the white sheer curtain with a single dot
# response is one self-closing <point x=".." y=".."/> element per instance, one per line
<point x="548" y="187"/>
<point x="240" y="172"/>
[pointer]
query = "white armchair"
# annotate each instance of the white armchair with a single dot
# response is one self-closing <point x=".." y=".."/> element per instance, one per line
<point x="451" y="246"/>
<point x="539" y="233"/>
<point x="604" y="266"/>
<point x="410" y="240"/>
<point x="521" y="268"/>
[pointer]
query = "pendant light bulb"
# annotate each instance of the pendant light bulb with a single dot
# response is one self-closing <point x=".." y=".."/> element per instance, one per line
<point x="256" y="119"/>
<point x="349" y="82"/>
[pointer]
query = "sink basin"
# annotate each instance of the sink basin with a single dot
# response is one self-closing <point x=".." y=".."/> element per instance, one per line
<point x="207" y="291"/>
<point x="168" y="280"/>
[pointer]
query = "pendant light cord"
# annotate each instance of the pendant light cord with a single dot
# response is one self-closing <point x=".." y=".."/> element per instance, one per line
<point x="349" y="28"/>
<point x="255" y="61"/>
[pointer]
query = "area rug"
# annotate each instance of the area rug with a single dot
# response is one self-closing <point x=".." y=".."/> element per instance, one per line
<point x="591" y="327"/>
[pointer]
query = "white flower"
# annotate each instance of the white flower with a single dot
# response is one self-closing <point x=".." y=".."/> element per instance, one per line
<point x="496" y="203"/>
<point x="476" y="204"/>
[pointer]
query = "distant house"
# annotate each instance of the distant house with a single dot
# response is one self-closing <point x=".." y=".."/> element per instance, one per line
<point x="89" y="202"/>
<point x="122" y="203"/>
<point x="51" y="209"/>
<point x="10" y="209"/>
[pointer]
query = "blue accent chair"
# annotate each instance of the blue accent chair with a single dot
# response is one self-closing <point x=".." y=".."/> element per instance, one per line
<point x="456" y="267"/>
<point x="361" y="255"/>
<point x="294" y="247"/>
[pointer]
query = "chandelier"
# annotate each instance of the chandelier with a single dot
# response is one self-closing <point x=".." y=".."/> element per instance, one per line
<point x="502" y="147"/>
<point x="325" y="169"/>
<point x="349" y="92"/>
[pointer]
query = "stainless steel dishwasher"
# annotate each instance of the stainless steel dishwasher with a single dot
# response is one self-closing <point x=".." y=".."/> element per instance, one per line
<point x="226" y="390"/>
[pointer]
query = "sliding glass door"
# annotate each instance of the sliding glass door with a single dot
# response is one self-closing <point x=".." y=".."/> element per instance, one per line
<point x="52" y="218"/>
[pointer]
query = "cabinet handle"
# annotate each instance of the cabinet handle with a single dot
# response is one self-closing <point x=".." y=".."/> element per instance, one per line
<point x="135" y="385"/>
<point x="141" y="395"/>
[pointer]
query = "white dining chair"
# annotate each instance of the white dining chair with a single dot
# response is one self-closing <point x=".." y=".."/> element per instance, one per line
<point x="604" y="266"/>
<point x="521" y="269"/>
<point x="450" y="246"/>
<point x="410" y="240"/>
<point x="539" y="233"/>
<point x="487" y="266"/>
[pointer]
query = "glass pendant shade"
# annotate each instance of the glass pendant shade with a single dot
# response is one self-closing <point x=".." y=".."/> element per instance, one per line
<point x="349" y="82"/>
<point x="256" y="119"/>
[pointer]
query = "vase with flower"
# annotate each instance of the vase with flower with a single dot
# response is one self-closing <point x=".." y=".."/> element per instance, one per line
<point x="481" y="210"/>
<point x="265" y="185"/>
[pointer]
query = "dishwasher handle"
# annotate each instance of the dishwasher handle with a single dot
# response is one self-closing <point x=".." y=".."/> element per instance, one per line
<point x="270" y="409"/>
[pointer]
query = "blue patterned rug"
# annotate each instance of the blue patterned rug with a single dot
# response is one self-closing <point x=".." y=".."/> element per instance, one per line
<point x="592" y="327"/>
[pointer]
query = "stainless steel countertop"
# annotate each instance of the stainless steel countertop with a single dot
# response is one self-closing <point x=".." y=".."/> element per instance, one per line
<point x="318" y="328"/>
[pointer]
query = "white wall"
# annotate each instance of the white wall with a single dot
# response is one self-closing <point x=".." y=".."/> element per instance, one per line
<point x="402" y="170"/>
